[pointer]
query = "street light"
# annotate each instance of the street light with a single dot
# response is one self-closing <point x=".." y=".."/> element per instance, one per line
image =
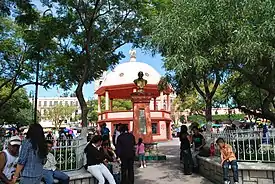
<point x="31" y="95"/>
<point x="36" y="78"/>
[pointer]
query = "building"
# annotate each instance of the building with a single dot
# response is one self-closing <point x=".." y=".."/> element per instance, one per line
<point x="118" y="84"/>
<point x="44" y="103"/>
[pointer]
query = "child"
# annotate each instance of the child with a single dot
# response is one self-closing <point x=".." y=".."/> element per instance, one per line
<point x="228" y="158"/>
<point x="116" y="170"/>
<point x="141" y="153"/>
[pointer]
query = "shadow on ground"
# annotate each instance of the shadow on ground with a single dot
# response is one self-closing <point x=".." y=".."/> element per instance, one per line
<point x="166" y="172"/>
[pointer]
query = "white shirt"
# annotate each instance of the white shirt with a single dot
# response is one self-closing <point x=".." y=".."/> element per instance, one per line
<point x="117" y="134"/>
<point x="51" y="162"/>
<point x="9" y="168"/>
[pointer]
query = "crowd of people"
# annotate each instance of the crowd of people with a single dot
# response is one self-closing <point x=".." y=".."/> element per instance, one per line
<point x="193" y="145"/>
<point x="31" y="161"/>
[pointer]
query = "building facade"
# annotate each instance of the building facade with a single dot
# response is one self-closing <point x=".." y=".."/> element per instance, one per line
<point x="44" y="103"/>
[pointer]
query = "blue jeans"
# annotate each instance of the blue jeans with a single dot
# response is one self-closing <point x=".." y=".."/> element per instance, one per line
<point x="30" y="180"/>
<point x="117" y="178"/>
<point x="50" y="175"/>
<point x="234" y="167"/>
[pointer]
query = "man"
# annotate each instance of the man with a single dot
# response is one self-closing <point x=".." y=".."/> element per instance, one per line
<point x="105" y="133"/>
<point x="126" y="152"/>
<point x="50" y="173"/>
<point x="116" y="134"/>
<point x="199" y="143"/>
<point x="228" y="158"/>
<point x="8" y="159"/>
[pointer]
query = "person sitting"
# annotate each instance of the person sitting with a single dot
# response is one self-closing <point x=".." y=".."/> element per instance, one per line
<point x="8" y="159"/>
<point x="199" y="142"/>
<point x="96" y="161"/>
<point x="50" y="171"/>
<point x="228" y="158"/>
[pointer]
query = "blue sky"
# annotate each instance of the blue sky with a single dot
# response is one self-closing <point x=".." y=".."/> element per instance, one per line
<point x="142" y="56"/>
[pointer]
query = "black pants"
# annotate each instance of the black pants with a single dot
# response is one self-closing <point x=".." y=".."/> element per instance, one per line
<point x="187" y="160"/>
<point x="127" y="170"/>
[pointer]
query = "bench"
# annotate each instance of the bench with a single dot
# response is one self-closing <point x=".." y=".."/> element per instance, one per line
<point x="79" y="176"/>
<point x="249" y="172"/>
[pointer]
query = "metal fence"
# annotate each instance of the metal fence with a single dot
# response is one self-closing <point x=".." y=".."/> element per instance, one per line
<point x="68" y="153"/>
<point x="248" y="145"/>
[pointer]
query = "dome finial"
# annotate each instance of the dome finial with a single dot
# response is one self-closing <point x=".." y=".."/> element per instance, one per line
<point x="132" y="53"/>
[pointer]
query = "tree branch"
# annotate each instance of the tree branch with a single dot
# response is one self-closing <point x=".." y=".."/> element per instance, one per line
<point x="216" y="84"/>
<point x="2" y="102"/>
<point x="198" y="89"/>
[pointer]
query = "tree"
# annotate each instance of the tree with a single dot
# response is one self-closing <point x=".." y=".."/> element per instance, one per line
<point x="245" y="96"/>
<point x="18" y="110"/>
<point x="87" y="34"/>
<point x="59" y="113"/>
<point x="22" y="50"/>
<point x="193" y="53"/>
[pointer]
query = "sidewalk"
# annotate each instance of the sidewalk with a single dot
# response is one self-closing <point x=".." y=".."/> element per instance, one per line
<point x="169" y="171"/>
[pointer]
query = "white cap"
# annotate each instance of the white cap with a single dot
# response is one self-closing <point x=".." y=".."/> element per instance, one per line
<point x="15" y="140"/>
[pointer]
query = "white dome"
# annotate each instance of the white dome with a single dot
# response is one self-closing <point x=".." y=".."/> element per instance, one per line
<point x="126" y="73"/>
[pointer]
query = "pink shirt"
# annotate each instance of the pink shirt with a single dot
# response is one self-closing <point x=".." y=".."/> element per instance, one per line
<point x="140" y="149"/>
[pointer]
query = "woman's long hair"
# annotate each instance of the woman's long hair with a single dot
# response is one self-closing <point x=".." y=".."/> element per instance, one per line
<point x="183" y="129"/>
<point x="38" y="141"/>
<point x="140" y="141"/>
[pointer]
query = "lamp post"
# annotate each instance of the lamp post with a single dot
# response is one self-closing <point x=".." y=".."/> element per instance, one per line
<point x="37" y="78"/>
<point x="36" y="91"/>
<point x="31" y="95"/>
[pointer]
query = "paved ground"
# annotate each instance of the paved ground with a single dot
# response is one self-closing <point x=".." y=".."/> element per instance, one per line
<point x="169" y="171"/>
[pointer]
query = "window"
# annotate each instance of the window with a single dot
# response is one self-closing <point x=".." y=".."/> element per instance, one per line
<point x="39" y="103"/>
<point x="72" y="103"/>
<point x="66" y="103"/>
<point x="45" y="103"/>
<point x="76" y="103"/>
<point x="60" y="102"/>
<point x="55" y="102"/>
<point x="51" y="103"/>
<point x="154" y="128"/>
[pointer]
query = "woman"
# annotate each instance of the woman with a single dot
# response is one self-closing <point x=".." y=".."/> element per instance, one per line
<point x="32" y="156"/>
<point x="96" y="161"/>
<point x="185" y="149"/>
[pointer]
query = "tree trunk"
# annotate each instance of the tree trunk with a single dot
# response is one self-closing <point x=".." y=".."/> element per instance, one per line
<point x="84" y="109"/>
<point x="208" y="110"/>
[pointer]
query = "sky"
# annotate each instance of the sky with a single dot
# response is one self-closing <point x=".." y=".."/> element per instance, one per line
<point x="142" y="56"/>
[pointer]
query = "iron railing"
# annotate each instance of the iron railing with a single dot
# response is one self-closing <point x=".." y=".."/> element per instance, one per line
<point x="68" y="152"/>
<point x="248" y="145"/>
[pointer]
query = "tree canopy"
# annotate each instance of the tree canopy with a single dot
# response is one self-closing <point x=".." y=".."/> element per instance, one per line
<point x="58" y="114"/>
<point x="87" y="35"/>
<point x="18" y="110"/>
<point x="205" y="42"/>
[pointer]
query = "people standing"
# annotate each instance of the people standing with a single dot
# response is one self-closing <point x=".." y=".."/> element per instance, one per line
<point x="185" y="140"/>
<point x="32" y="156"/>
<point x="96" y="161"/>
<point x="228" y="158"/>
<point x="140" y="151"/>
<point x="50" y="171"/>
<point x="105" y="133"/>
<point x="199" y="142"/>
<point x="116" y="134"/>
<point x="8" y="159"/>
<point x="126" y="152"/>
